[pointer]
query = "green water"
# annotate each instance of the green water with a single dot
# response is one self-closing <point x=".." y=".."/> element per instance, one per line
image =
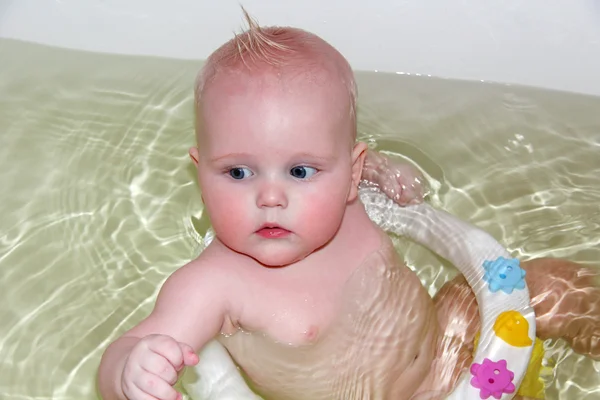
<point x="99" y="202"/>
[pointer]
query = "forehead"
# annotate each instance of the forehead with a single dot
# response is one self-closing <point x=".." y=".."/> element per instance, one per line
<point x="290" y="106"/>
<point x="306" y="80"/>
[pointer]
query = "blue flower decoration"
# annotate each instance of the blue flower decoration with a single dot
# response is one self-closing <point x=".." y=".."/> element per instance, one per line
<point x="504" y="274"/>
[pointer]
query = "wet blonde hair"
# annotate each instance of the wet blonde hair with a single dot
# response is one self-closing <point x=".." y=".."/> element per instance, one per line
<point x="279" y="48"/>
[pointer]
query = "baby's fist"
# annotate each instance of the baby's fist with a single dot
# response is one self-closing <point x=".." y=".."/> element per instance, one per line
<point x="153" y="367"/>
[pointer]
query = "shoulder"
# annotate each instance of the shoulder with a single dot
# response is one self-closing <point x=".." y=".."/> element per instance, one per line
<point x="212" y="280"/>
<point x="197" y="280"/>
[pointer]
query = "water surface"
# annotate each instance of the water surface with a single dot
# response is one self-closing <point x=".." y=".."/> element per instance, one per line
<point x="99" y="200"/>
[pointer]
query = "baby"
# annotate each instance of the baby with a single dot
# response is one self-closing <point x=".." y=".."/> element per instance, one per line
<point x="307" y="294"/>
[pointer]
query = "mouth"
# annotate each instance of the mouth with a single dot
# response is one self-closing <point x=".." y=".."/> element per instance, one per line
<point x="272" y="231"/>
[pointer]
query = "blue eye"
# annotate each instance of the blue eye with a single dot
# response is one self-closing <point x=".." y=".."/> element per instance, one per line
<point x="239" y="173"/>
<point x="302" y="172"/>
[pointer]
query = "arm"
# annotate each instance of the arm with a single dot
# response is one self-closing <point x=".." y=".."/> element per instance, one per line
<point x="400" y="181"/>
<point x="189" y="312"/>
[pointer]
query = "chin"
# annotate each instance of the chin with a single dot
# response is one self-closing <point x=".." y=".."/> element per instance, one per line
<point x="278" y="259"/>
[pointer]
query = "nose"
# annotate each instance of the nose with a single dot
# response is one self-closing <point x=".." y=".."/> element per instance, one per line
<point x="272" y="194"/>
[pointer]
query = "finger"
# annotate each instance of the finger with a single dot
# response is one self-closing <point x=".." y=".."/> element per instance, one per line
<point x="152" y="385"/>
<point x="135" y="393"/>
<point x="168" y="348"/>
<point x="189" y="355"/>
<point x="161" y="367"/>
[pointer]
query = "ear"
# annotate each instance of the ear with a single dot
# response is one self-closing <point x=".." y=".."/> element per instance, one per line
<point x="359" y="153"/>
<point x="194" y="155"/>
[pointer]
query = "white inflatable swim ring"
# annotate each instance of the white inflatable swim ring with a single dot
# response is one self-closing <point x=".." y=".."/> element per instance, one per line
<point x="508" y="328"/>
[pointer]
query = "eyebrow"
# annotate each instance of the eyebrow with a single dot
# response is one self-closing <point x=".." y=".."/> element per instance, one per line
<point x="228" y="155"/>
<point x="314" y="157"/>
<point x="296" y="155"/>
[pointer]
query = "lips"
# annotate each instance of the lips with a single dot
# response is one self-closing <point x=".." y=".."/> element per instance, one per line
<point x="272" y="231"/>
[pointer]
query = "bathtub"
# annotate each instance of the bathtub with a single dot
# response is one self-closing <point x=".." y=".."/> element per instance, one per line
<point x="89" y="83"/>
<point x="552" y="44"/>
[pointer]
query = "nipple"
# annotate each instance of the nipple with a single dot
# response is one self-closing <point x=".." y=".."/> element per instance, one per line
<point x="311" y="333"/>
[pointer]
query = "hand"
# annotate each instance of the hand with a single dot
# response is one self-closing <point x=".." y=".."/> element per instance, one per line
<point x="400" y="181"/>
<point x="153" y="367"/>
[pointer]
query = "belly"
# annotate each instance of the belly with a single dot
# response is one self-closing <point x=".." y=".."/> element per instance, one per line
<point x="380" y="346"/>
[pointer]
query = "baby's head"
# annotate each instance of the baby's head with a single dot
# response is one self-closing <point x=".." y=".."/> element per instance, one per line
<point x="276" y="129"/>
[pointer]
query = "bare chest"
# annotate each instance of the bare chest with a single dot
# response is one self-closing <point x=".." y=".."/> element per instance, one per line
<point x="294" y="312"/>
<point x="372" y="326"/>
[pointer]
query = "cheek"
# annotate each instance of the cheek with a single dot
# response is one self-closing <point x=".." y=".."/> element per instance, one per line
<point x="227" y="209"/>
<point x="323" y="210"/>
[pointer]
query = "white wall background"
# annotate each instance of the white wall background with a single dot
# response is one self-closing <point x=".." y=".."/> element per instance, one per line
<point x="548" y="43"/>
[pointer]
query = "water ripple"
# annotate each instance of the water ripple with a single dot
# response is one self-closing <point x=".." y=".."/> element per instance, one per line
<point x="100" y="202"/>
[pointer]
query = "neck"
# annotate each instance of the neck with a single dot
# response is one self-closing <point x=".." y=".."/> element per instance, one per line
<point x="356" y="227"/>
